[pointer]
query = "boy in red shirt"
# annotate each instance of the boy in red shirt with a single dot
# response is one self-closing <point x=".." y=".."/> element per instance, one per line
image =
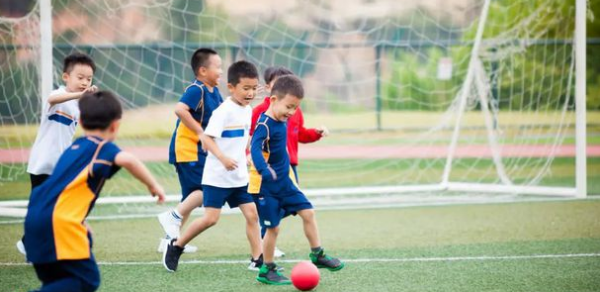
<point x="296" y="132"/>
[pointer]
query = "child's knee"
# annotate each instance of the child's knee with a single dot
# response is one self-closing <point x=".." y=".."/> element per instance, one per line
<point x="252" y="217"/>
<point x="211" y="220"/>
<point x="274" y="230"/>
<point x="307" y="215"/>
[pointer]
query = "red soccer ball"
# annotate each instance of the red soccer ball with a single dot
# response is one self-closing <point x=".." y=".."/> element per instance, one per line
<point x="305" y="276"/>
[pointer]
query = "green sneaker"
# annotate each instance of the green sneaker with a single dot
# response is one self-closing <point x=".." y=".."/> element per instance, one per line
<point x="321" y="260"/>
<point x="269" y="274"/>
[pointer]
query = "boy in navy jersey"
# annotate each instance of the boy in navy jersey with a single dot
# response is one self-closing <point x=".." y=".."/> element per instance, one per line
<point x="57" y="239"/>
<point x="276" y="192"/>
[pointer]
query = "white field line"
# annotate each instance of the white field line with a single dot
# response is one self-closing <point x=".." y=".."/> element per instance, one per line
<point x="377" y="202"/>
<point x="361" y="260"/>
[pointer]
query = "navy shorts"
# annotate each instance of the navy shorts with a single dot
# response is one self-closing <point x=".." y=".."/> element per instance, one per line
<point x="215" y="197"/>
<point x="190" y="177"/>
<point x="69" y="275"/>
<point x="278" y="200"/>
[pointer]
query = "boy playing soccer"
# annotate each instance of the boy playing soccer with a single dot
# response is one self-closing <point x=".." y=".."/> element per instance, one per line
<point x="186" y="152"/>
<point x="59" y="117"/>
<point x="270" y="179"/>
<point x="57" y="239"/>
<point x="58" y="120"/>
<point x="225" y="177"/>
<point x="296" y="132"/>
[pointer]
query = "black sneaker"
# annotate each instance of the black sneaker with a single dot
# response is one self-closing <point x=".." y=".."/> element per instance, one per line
<point x="171" y="256"/>
<point x="321" y="260"/>
<point x="255" y="264"/>
<point x="269" y="274"/>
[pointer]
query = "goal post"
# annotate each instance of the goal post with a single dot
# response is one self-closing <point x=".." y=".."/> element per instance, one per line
<point x="487" y="97"/>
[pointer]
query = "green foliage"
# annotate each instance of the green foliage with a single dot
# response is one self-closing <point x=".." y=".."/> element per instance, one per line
<point x="413" y="83"/>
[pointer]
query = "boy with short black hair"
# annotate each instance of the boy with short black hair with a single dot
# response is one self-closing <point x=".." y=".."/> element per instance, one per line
<point x="277" y="193"/>
<point x="296" y="132"/>
<point x="225" y="177"/>
<point x="57" y="239"/>
<point x="58" y="119"/>
<point x="186" y="152"/>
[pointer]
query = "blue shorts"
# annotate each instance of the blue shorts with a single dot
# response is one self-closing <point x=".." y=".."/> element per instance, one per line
<point x="215" y="197"/>
<point x="190" y="177"/>
<point x="69" y="275"/>
<point x="278" y="200"/>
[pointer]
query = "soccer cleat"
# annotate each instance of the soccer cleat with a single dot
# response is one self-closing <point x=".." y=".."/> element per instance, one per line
<point x="170" y="224"/>
<point x="278" y="253"/>
<point x="269" y="274"/>
<point x="165" y="241"/>
<point x="255" y="264"/>
<point x="171" y="256"/>
<point x="321" y="260"/>
<point x="21" y="247"/>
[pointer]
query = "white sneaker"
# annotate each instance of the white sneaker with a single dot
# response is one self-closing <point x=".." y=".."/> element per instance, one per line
<point x="162" y="245"/>
<point x="190" y="249"/>
<point x="21" y="247"/>
<point x="170" y="225"/>
<point x="278" y="253"/>
<point x="255" y="264"/>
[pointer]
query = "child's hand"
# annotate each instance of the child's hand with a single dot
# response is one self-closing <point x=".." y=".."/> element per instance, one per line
<point x="249" y="160"/>
<point x="323" y="131"/>
<point x="202" y="137"/>
<point x="91" y="89"/>
<point x="158" y="191"/>
<point x="229" y="163"/>
<point x="260" y="89"/>
<point x="89" y="228"/>
<point x="269" y="174"/>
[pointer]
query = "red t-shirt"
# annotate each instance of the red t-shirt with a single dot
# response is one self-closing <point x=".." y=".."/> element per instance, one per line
<point x="295" y="129"/>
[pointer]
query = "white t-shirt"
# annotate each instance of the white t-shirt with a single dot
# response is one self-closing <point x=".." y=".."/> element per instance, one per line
<point x="55" y="134"/>
<point x="229" y="125"/>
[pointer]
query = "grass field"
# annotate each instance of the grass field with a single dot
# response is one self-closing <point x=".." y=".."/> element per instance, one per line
<point x="343" y="173"/>
<point x="541" y="246"/>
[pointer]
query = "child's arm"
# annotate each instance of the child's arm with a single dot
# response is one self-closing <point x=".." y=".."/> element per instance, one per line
<point x="212" y="147"/>
<point x="261" y="165"/>
<point x="309" y="135"/>
<point x="64" y="97"/>
<point x="139" y="171"/>
<point x="182" y="111"/>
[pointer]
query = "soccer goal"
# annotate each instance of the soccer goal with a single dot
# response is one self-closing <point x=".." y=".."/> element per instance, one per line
<point x="453" y="98"/>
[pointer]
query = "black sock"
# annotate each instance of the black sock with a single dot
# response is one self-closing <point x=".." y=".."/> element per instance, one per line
<point x="316" y="249"/>
<point x="270" y="265"/>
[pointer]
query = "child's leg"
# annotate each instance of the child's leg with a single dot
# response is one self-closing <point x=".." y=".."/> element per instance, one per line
<point x="210" y="218"/>
<point x="310" y="227"/>
<point x="269" y="244"/>
<point x="191" y="202"/>
<point x="252" y="230"/>
<point x="80" y="275"/>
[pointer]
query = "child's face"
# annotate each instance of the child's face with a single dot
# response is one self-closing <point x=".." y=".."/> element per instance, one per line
<point x="79" y="79"/>
<point x="245" y="91"/>
<point x="211" y="74"/>
<point x="284" y="108"/>
<point x="270" y="85"/>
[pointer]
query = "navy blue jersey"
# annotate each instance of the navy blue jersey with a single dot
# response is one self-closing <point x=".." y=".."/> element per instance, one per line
<point x="54" y="225"/>
<point x="185" y="143"/>
<point x="268" y="148"/>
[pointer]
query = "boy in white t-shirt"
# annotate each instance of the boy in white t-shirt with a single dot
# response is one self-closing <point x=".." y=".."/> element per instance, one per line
<point x="58" y="120"/>
<point x="225" y="177"/>
<point x="59" y="117"/>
